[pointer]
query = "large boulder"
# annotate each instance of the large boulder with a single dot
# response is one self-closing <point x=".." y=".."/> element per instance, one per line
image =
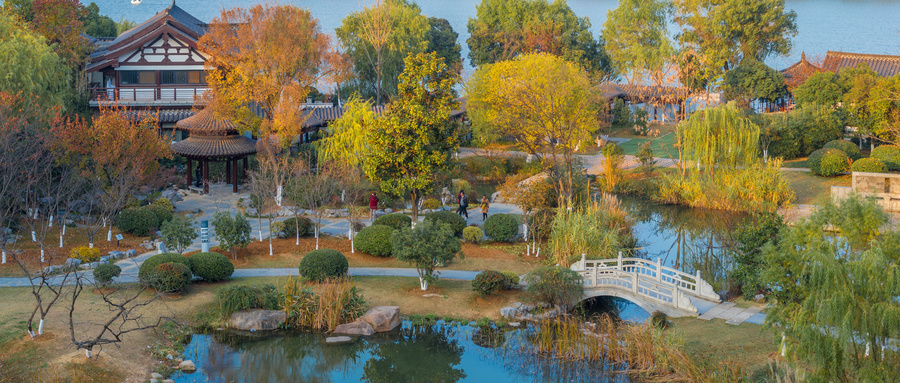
<point x="360" y="328"/>
<point x="258" y="319"/>
<point x="187" y="366"/>
<point x="382" y="318"/>
<point x="171" y="195"/>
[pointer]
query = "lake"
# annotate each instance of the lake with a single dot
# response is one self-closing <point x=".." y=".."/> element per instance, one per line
<point x="864" y="26"/>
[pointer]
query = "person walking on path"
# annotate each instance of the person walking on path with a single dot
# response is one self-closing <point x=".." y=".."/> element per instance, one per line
<point x="463" y="204"/>
<point x="485" y="205"/>
<point x="373" y="205"/>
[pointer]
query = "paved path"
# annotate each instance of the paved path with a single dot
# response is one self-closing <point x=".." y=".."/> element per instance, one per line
<point x="734" y="315"/>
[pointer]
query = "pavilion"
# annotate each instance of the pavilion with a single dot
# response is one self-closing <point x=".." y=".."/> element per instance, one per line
<point x="213" y="139"/>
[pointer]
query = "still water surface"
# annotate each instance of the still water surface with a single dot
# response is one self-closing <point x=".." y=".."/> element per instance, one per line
<point x="865" y="26"/>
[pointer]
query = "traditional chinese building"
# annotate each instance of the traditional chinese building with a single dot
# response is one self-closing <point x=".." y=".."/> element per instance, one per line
<point x="884" y="65"/>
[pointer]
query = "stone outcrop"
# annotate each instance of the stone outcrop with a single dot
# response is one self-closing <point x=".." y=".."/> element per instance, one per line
<point x="382" y="318"/>
<point x="258" y="319"/>
<point x="523" y="312"/>
<point x="187" y="366"/>
<point x="358" y="327"/>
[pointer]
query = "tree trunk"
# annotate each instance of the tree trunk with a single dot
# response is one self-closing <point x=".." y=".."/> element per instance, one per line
<point x="423" y="284"/>
<point x="270" y="237"/>
<point x="414" y="195"/>
<point x="41" y="327"/>
<point x="109" y="235"/>
<point x="4" y="256"/>
<point x="297" y="229"/>
<point x="259" y="221"/>
<point x="88" y="353"/>
<point x="316" y="230"/>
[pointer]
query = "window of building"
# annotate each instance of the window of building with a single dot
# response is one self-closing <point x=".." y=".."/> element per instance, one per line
<point x="134" y="77"/>
<point x="182" y="77"/>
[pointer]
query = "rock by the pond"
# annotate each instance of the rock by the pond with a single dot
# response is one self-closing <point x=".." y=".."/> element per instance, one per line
<point x="338" y="339"/>
<point x="382" y="318"/>
<point x="73" y="263"/>
<point x="187" y="366"/>
<point x="156" y="375"/>
<point x="258" y="319"/>
<point x="509" y="312"/>
<point x="251" y="211"/>
<point x="358" y="327"/>
<point x="515" y="324"/>
<point x="154" y="380"/>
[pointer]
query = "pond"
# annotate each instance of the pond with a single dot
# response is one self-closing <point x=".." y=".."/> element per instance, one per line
<point x="414" y="353"/>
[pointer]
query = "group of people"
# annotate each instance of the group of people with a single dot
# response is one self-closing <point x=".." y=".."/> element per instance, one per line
<point x="461" y="199"/>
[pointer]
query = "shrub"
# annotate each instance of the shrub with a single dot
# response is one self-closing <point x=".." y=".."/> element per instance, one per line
<point x="512" y="279"/>
<point x="457" y="222"/>
<point x="178" y="233"/>
<point x="431" y="204"/>
<point x="488" y="282"/>
<point x="472" y="234"/>
<point x="85" y="254"/>
<point x="396" y="221"/>
<point x="171" y="277"/>
<point x="845" y="146"/>
<point x="559" y="286"/>
<point x="889" y="154"/>
<point x="426" y="247"/>
<point x="231" y="231"/>
<point x="164" y="203"/>
<point x="540" y="223"/>
<point x="162" y="214"/>
<point x="137" y="221"/>
<point x="323" y="264"/>
<point x="659" y="320"/>
<point x="375" y="240"/>
<point x="104" y="274"/>
<point x="868" y="165"/>
<point x="291" y="227"/>
<point x="234" y="298"/>
<point x="211" y="267"/>
<point x="145" y="272"/>
<point x="502" y="227"/>
<point x="828" y="162"/>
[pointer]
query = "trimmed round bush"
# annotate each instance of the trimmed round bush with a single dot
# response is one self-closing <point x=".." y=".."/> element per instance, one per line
<point x="162" y="214"/>
<point x="104" y="274"/>
<point x="868" y="165"/>
<point x="145" y="272"/>
<point x="323" y="264"/>
<point x="211" y="266"/>
<point x="502" y="227"/>
<point x="456" y="221"/>
<point x="164" y="202"/>
<point x="488" y="282"/>
<point x="291" y="227"/>
<point x="828" y="162"/>
<point x="889" y="154"/>
<point x="396" y="221"/>
<point x="171" y="277"/>
<point x="473" y="234"/>
<point x="845" y="146"/>
<point x="512" y="279"/>
<point x="375" y="240"/>
<point x="137" y="221"/>
<point x="85" y="254"/>
<point x="431" y="204"/>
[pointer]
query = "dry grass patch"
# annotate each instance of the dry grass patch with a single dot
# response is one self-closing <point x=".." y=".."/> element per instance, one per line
<point x="747" y="345"/>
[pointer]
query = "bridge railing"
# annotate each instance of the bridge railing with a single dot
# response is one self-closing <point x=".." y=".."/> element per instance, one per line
<point x="691" y="284"/>
<point x="623" y="280"/>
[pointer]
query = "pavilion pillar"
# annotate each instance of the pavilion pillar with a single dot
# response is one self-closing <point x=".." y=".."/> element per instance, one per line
<point x="245" y="169"/>
<point x="228" y="171"/>
<point x="234" y="177"/>
<point x="190" y="177"/>
<point x="205" y="176"/>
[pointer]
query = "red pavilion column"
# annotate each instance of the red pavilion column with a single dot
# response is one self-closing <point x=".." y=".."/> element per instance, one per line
<point x="205" y="176"/>
<point x="228" y="171"/>
<point x="234" y="177"/>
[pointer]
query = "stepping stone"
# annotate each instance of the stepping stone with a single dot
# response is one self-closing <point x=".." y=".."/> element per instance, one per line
<point x="338" y="339"/>
<point x="746" y="314"/>
<point x="730" y="313"/>
<point x="713" y="312"/>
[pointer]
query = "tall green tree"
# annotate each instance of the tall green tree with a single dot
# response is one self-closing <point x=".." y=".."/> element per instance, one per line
<point x="835" y="296"/>
<point x="504" y="29"/>
<point x="444" y="41"/>
<point x="859" y="99"/>
<point x="416" y="139"/>
<point x="637" y="40"/>
<point x="723" y="33"/>
<point x="98" y="25"/>
<point x="719" y="138"/>
<point x="823" y="88"/>
<point x="38" y="71"/>
<point x="753" y="80"/>
<point x="428" y="246"/>
<point x="377" y="39"/>
<point x="544" y="101"/>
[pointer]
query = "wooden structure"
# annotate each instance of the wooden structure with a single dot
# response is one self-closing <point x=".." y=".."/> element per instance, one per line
<point x="212" y="139"/>
<point x="884" y="65"/>
<point x="650" y="95"/>
<point x="797" y="74"/>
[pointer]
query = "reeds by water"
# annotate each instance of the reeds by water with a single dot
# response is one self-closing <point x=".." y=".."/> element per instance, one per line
<point x="600" y="229"/>
<point x="331" y="303"/>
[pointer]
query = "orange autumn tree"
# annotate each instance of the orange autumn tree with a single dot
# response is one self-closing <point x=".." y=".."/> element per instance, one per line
<point x="115" y="155"/>
<point x="267" y="56"/>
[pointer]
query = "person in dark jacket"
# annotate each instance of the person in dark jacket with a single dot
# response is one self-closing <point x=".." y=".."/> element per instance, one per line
<point x="373" y="205"/>
<point x="463" y="205"/>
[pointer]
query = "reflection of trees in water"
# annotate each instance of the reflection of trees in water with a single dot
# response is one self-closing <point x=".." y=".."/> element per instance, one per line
<point x="421" y="354"/>
<point x="488" y="336"/>
<point x="301" y="358"/>
<point x="697" y="239"/>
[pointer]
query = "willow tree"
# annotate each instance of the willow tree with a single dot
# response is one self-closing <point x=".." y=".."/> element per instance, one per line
<point x="719" y="138"/>
<point x="346" y="139"/>
<point x="545" y="102"/>
<point x="835" y="296"/>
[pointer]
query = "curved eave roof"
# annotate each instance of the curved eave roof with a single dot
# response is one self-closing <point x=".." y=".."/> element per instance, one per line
<point x="215" y="146"/>
<point x="205" y="122"/>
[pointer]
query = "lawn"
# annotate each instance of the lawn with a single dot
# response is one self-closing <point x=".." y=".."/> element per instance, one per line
<point x="663" y="147"/>
<point x="812" y="189"/>
<point x="748" y="346"/>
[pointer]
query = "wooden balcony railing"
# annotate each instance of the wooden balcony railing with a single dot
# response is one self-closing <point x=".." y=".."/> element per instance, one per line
<point x="162" y="93"/>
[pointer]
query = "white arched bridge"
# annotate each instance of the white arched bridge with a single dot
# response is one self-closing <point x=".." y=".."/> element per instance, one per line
<point x="648" y="284"/>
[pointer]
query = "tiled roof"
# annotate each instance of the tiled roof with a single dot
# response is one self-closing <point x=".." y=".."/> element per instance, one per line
<point x="164" y="115"/>
<point x="215" y="146"/>
<point x="797" y="74"/>
<point x="884" y="65"/>
<point x="176" y="12"/>
<point x="320" y="117"/>
<point x="205" y="122"/>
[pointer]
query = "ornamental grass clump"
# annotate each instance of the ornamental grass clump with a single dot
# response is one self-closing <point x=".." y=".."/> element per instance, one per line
<point x="335" y="301"/>
<point x="234" y="298"/>
<point x="599" y="230"/>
